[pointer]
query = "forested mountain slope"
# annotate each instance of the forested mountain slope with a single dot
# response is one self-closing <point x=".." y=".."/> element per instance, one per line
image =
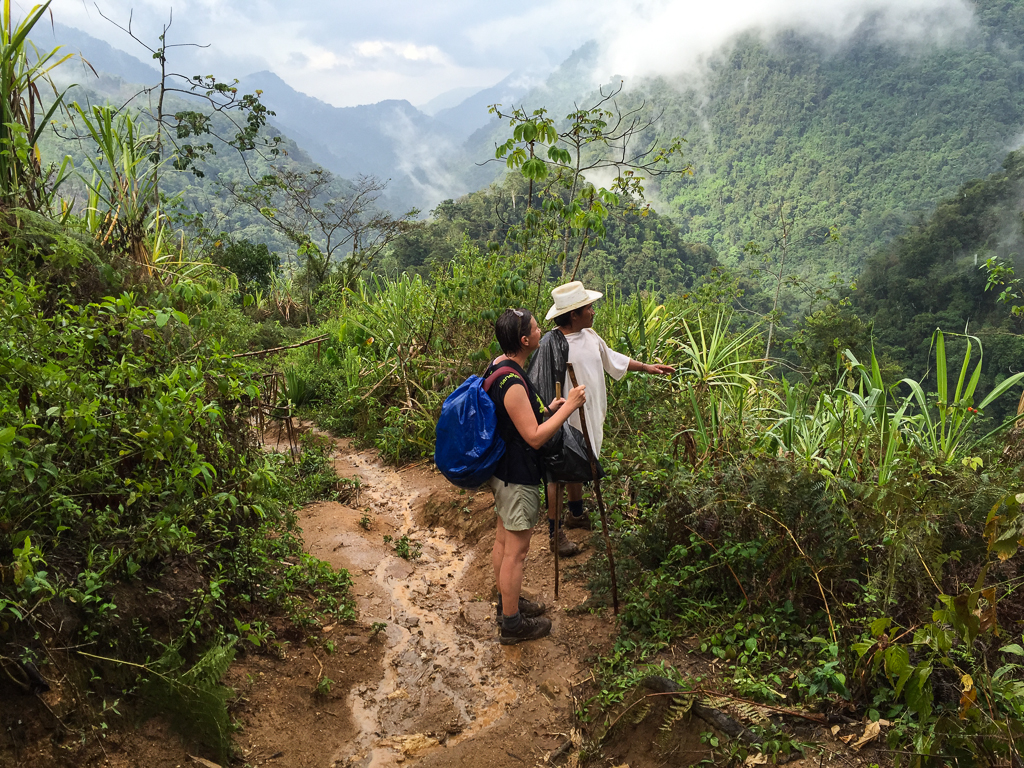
<point x="934" y="277"/>
<point x="866" y="138"/>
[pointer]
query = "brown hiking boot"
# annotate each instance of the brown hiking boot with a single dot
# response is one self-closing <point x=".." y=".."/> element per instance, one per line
<point x="529" y="629"/>
<point x="566" y="548"/>
<point x="583" y="521"/>
<point x="528" y="608"/>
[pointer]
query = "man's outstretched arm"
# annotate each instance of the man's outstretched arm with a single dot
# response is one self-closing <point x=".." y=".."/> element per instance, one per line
<point x="657" y="368"/>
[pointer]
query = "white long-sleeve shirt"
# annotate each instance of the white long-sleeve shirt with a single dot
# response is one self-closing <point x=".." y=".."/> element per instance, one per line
<point x="591" y="359"/>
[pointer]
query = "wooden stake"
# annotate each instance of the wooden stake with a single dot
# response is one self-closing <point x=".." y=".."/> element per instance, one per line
<point x="557" y="503"/>
<point x="558" y="521"/>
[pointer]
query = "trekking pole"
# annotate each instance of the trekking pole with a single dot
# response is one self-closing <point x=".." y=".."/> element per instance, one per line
<point x="597" y="493"/>
<point x="557" y="502"/>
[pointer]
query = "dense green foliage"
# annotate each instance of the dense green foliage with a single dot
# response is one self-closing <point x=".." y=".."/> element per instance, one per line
<point x="934" y="276"/>
<point x="640" y="249"/>
<point x="145" y="537"/>
<point x="864" y="137"/>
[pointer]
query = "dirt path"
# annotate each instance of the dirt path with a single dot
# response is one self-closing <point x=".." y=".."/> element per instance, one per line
<point x="433" y="687"/>
<point x="445" y="691"/>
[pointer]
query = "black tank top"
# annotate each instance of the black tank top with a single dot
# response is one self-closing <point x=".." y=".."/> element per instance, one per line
<point x="521" y="463"/>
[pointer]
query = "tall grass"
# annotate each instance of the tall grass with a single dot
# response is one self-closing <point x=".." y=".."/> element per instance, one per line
<point x="23" y="68"/>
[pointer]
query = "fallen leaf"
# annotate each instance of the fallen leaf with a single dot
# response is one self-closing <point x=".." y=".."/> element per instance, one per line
<point x="401" y="693"/>
<point x="871" y="731"/>
<point x="758" y="759"/>
<point x="847" y="739"/>
<point x="836" y="729"/>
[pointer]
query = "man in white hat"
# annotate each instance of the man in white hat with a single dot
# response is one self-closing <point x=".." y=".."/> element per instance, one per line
<point x="591" y="358"/>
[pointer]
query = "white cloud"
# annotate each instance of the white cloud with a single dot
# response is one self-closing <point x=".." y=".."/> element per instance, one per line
<point x="347" y="53"/>
<point x="670" y="36"/>
<point x="385" y="49"/>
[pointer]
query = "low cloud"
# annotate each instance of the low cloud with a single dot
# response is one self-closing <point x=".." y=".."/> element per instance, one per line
<point x="666" y="37"/>
<point x="387" y="51"/>
<point x="349" y="54"/>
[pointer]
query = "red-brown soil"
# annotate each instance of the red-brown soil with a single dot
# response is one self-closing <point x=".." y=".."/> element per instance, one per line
<point x="433" y="687"/>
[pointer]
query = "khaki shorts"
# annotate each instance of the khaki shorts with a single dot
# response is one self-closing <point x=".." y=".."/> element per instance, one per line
<point x="518" y="506"/>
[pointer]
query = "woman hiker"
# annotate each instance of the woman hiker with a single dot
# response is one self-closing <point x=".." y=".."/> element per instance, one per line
<point x="517" y="479"/>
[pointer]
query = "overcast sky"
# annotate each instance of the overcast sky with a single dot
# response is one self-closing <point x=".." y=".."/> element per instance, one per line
<point x="348" y="53"/>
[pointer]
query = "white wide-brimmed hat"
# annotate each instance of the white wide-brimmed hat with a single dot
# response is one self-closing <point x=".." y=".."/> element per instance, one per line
<point x="569" y="297"/>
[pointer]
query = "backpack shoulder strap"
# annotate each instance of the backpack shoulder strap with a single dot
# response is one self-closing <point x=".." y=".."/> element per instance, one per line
<point x="498" y="373"/>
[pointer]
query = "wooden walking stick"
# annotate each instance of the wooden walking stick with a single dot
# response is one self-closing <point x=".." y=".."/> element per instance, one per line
<point x="597" y="493"/>
<point x="558" y="502"/>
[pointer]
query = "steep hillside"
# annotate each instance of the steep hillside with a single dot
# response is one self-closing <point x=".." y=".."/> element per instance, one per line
<point x="933" y="277"/>
<point x="867" y="138"/>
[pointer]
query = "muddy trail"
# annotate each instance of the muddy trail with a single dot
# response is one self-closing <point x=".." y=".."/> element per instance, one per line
<point x="420" y="678"/>
<point x="433" y="686"/>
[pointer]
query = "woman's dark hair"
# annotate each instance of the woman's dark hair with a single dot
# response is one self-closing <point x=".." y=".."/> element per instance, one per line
<point x="510" y="328"/>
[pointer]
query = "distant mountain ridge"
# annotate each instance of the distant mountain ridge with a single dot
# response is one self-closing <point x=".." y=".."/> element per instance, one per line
<point x="390" y="139"/>
<point x="866" y="138"/>
<point x="102" y="56"/>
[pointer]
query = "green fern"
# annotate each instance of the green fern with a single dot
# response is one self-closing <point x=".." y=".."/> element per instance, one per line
<point x="641" y="713"/>
<point x="677" y="710"/>
<point x="194" y="701"/>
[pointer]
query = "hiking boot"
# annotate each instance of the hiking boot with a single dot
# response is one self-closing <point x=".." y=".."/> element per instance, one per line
<point x="566" y="548"/>
<point x="583" y="521"/>
<point x="528" y="608"/>
<point x="529" y="629"/>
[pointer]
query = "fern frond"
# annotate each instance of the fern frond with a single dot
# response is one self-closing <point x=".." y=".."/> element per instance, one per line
<point x="676" y="711"/>
<point x="641" y="713"/>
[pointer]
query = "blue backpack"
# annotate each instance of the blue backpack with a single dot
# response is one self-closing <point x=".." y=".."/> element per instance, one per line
<point x="467" y="445"/>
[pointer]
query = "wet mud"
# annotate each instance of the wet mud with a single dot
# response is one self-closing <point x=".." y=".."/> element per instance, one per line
<point x="447" y="687"/>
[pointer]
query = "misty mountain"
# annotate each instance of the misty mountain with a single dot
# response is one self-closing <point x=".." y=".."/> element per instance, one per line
<point x="390" y="139"/>
<point x="101" y="56"/>
<point x="867" y="137"/>
<point x="471" y="114"/>
<point x="447" y="100"/>
<point x="864" y="136"/>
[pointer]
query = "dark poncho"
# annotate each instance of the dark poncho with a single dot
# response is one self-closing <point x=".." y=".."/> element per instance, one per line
<point x="547" y="365"/>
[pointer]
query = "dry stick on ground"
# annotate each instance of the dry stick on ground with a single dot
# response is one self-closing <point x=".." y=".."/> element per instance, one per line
<point x="597" y="493"/>
<point x="317" y="340"/>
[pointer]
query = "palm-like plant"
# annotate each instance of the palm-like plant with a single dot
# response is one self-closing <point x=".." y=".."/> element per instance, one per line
<point x="722" y="381"/>
<point x="644" y="329"/>
<point x="22" y="181"/>
<point x="123" y="202"/>
<point x="942" y="427"/>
